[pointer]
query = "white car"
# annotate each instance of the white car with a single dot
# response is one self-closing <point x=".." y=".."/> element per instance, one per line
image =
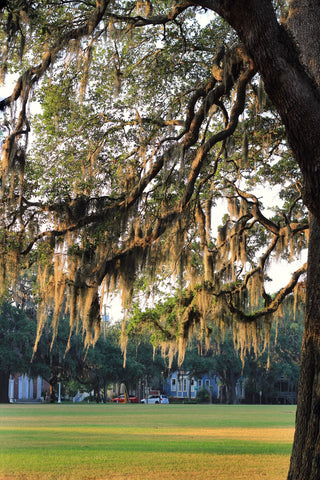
<point x="155" y="399"/>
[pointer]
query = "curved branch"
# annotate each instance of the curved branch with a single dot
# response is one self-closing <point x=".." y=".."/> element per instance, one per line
<point x="275" y="303"/>
<point x="258" y="215"/>
<point x="139" y="21"/>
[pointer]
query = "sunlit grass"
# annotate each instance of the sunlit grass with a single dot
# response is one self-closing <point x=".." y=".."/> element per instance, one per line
<point x="95" y="442"/>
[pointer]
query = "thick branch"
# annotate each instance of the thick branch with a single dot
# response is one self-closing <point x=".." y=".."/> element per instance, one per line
<point x="139" y="21"/>
<point x="274" y="305"/>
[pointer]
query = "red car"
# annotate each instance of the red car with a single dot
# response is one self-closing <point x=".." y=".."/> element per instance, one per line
<point x="122" y="399"/>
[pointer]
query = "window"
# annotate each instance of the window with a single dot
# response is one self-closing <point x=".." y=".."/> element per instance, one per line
<point x="173" y="384"/>
<point x="199" y="383"/>
<point x="184" y="384"/>
<point x="207" y="383"/>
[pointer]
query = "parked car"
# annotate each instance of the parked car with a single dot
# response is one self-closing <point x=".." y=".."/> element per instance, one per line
<point x="122" y="399"/>
<point x="155" y="399"/>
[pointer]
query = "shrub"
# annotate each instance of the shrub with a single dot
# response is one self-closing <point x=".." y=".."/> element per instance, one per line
<point x="203" y="395"/>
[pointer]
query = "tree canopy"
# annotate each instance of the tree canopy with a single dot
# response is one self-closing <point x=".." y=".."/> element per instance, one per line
<point x="134" y="147"/>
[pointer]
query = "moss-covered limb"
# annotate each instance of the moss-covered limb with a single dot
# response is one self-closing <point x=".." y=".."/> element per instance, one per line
<point x="215" y="165"/>
<point x="176" y="322"/>
<point x="253" y="204"/>
<point x="284" y="292"/>
<point x="142" y="21"/>
<point x="195" y="122"/>
<point x="259" y="269"/>
<point x="193" y="118"/>
<point x="266" y="255"/>
<point x="297" y="200"/>
<point x="212" y="93"/>
<point x="271" y="307"/>
<point x="289" y="230"/>
<point x="204" y="149"/>
<point x="34" y="73"/>
<point x="102" y="214"/>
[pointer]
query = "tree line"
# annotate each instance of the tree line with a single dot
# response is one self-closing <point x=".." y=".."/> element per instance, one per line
<point x="95" y="369"/>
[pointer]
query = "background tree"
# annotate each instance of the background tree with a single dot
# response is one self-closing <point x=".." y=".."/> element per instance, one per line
<point x="17" y="334"/>
<point x="227" y="366"/>
<point x="51" y="360"/>
<point x="127" y="168"/>
<point x="103" y="365"/>
<point x="281" y="361"/>
<point x="220" y="359"/>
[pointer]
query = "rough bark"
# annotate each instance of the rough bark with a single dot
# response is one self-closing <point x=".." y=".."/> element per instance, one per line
<point x="305" y="459"/>
<point x="302" y="23"/>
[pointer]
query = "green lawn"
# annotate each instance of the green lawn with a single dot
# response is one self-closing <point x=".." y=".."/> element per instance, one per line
<point x="86" y="442"/>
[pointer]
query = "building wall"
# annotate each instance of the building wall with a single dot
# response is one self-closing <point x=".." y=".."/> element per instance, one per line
<point x="23" y="388"/>
<point x="180" y="385"/>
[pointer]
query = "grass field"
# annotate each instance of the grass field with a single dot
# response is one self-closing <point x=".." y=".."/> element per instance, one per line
<point x="149" y="442"/>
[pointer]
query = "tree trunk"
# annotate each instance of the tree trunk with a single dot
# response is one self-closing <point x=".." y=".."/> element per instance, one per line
<point x="305" y="459"/>
<point x="4" y="387"/>
<point x="303" y="22"/>
<point x="105" y="391"/>
<point x="231" y="388"/>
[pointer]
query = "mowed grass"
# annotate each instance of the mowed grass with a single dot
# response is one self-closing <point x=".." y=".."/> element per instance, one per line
<point x="149" y="442"/>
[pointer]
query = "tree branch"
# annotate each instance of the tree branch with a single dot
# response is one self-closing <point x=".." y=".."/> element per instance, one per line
<point x="273" y="306"/>
<point x="139" y="21"/>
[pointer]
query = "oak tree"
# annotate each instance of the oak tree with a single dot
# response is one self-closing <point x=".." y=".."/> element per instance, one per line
<point x="138" y="140"/>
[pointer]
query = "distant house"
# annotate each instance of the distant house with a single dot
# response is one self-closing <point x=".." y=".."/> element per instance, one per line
<point x="285" y="391"/>
<point x="23" y="388"/>
<point x="181" y="386"/>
